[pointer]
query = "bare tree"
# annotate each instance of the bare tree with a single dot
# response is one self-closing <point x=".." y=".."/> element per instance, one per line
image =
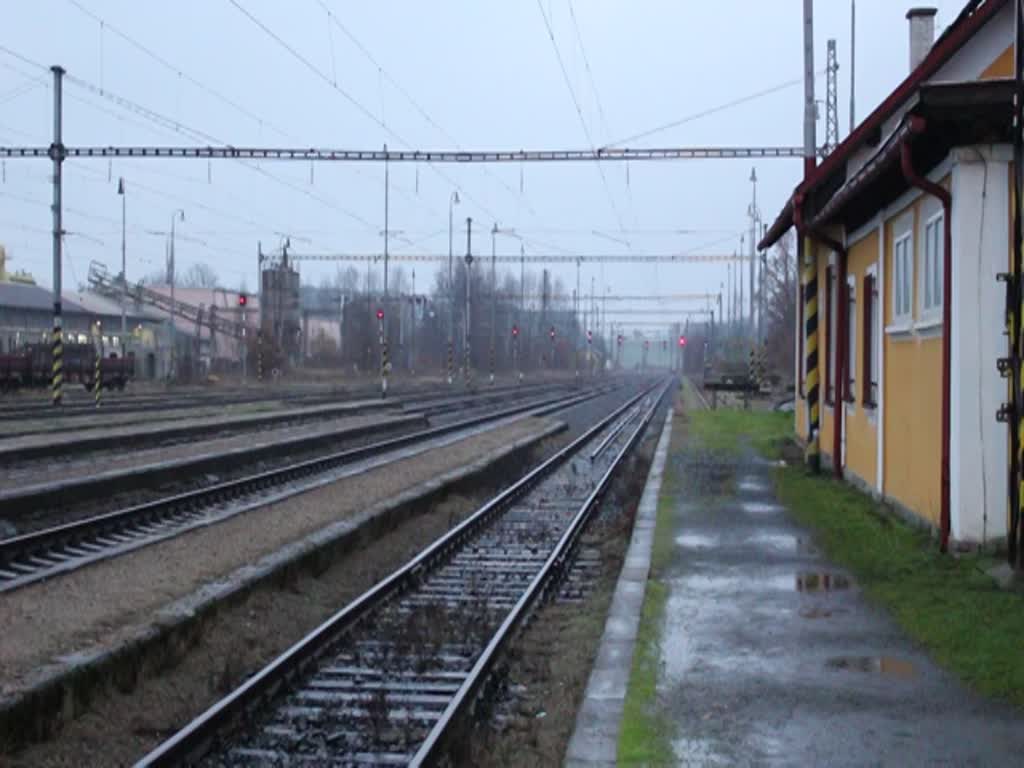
<point x="199" y="275"/>
<point x="781" y="305"/>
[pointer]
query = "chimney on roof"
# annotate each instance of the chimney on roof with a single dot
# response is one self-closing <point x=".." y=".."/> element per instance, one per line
<point x="922" y="34"/>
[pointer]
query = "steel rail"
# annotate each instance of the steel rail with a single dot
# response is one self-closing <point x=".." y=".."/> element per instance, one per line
<point x="193" y="741"/>
<point x="465" y="697"/>
<point x="35" y="556"/>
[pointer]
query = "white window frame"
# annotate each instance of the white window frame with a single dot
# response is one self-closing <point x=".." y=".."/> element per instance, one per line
<point x="902" y="283"/>
<point x="931" y="268"/>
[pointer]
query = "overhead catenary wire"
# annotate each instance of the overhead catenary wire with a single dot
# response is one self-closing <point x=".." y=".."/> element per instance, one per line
<point x="149" y="52"/>
<point x="579" y="111"/>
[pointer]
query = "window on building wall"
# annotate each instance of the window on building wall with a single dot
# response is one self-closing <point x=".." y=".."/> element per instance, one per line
<point x="931" y="290"/>
<point x="869" y="375"/>
<point x="849" y="392"/>
<point x="830" y="324"/>
<point x="902" y="278"/>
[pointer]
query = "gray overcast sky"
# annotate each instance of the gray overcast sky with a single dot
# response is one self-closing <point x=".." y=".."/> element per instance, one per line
<point x="485" y="73"/>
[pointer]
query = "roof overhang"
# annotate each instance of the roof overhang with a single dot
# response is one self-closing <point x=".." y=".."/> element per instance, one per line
<point x="945" y="116"/>
<point x="830" y="176"/>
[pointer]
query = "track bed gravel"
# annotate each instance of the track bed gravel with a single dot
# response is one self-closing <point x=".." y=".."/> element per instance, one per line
<point x="41" y="471"/>
<point x="97" y="605"/>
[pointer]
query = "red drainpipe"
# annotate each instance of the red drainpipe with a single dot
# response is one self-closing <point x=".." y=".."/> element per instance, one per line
<point x="917" y="126"/>
<point x="842" y="336"/>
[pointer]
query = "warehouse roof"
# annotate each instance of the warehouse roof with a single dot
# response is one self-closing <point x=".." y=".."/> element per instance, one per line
<point x="33" y="297"/>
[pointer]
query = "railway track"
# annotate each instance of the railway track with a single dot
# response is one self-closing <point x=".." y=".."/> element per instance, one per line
<point x="44" y="445"/>
<point x="43" y="554"/>
<point x="390" y="679"/>
<point x="173" y="401"/>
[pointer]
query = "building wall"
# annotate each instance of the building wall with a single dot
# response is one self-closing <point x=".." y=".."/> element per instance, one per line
<point x="978" y="445"/>
<point x="1001" y="67"/>
<point x="912" y="386"/>
<point x="861" y="421"/>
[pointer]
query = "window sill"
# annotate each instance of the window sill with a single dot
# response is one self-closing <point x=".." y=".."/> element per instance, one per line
<point x="929" y="325"/>
<point x="902" y="328"/>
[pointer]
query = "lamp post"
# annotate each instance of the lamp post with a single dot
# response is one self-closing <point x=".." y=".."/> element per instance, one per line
<point x="469" y="283"/>
<point x="495" y="231"/>
<point x="453" y="200"/>
<point x="124" y="272"/>
<point x="179" y="213"/>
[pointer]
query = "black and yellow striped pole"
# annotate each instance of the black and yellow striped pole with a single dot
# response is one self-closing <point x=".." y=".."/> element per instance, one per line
<point x="97" y="373"/>
<point x="812" y="383"/>
<point x="57" y="153"/>
<point x="57" y="360"/>
<point x="259" y="355"/>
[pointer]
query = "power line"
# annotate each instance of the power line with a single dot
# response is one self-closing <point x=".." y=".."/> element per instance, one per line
<point x="180" y="73"/>
<point x="407" y="96"/>
<point x="706" y="112"/>
<point x="600" y="107"/>
<point x="579" y="111"/>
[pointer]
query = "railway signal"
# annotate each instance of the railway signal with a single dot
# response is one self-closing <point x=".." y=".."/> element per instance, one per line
<point x="620" y="339"/>
<point x="243" y="300"/>
<point x="380" y="314"/>
<point x="590" y="337"/>
<point x="515" y="331"/>
<point x="682" y="341"/>
<point x="551" y="333"/>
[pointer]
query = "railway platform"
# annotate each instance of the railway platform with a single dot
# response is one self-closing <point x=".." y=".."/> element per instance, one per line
<point x="753" y="648"/>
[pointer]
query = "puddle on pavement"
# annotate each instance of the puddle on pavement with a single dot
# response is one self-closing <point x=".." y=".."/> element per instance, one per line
<point x="760" y="507"/>
<point x="821" y="582"/>
<point x="725" y="584"/>
<point x="697" y="541"/>
<point x="752" y="485"/>
<point x="784" y="542"/>
<point x="821" y="612"/>
<point x="887" y="666"/>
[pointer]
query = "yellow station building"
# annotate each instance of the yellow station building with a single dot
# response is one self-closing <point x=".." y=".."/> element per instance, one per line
<point x="905" y="229"/>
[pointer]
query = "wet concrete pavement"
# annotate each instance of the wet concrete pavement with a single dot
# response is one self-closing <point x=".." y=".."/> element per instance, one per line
<point x="771" y="656"/>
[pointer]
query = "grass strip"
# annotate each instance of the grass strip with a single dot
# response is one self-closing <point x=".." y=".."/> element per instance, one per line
<point x="645" y="734"/>
<point x="947" y="603"/>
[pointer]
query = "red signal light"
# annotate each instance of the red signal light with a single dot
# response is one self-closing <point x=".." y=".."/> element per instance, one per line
<point x="515" y="330"/>
<point x="682" y="341"/>
<point x="242" y="299"/>
<point x="380" y="314"/>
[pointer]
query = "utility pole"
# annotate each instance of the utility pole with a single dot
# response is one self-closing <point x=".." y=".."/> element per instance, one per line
<point x="522" y="302"/>
<point x="57" y="155"/>
<point x="754" y="216"/>
<point x="853" y="64"/>
<point x="172" y="278"/>
<point x="124" y="272"/>
<point x="386" y="233"/>
<point x="469" y="283"/>
<point x="576" y="319"/>
<point x="453" y="200"/>
<point x="494" y="293"/>
<point x="412" y="333"/>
